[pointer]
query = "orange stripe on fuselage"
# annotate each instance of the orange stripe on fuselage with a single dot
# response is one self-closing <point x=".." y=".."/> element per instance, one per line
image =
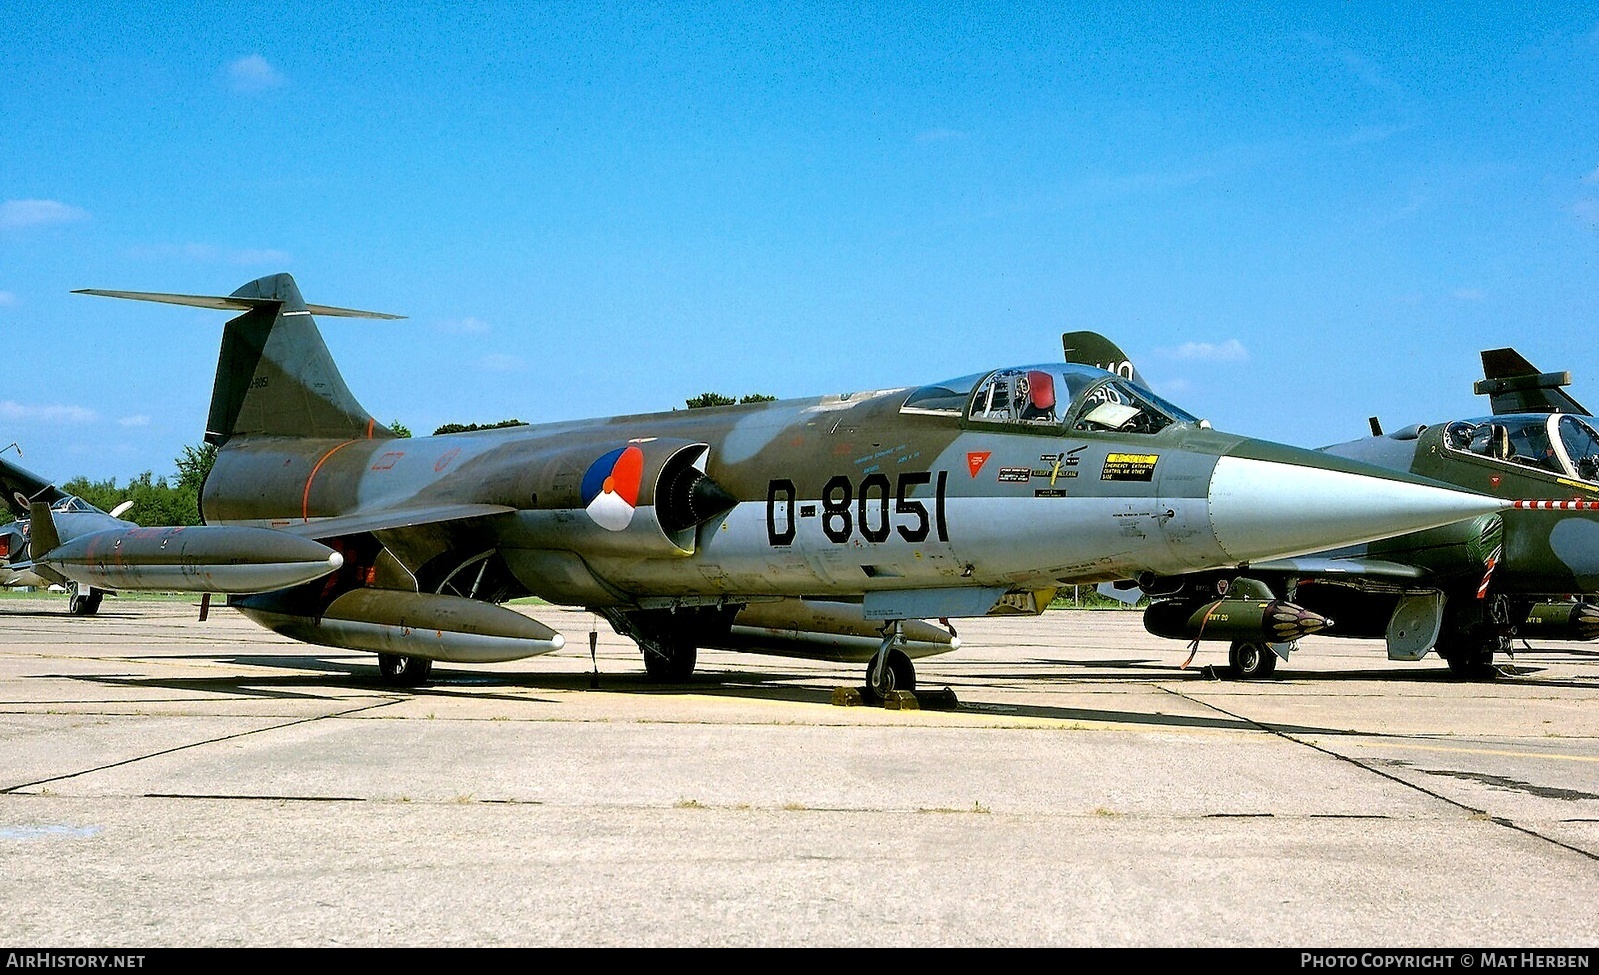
<point x="305" y="499"/>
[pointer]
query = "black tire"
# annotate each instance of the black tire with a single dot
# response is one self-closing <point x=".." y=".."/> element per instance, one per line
<point x="1251" y="660"/>
<point x="83" y="603"/>
<point x="669" y="661"/>
<point x="1473" y="661"/>
<point x="899" y="674"/>
<point x="401" y="671"/>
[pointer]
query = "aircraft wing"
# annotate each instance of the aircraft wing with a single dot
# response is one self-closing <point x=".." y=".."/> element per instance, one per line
<point x="384" y="519"/>
<point x="1312" y="565"/>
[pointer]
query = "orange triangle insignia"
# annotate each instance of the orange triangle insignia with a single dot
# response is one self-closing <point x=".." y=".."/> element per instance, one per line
<point x="975" y="459"/>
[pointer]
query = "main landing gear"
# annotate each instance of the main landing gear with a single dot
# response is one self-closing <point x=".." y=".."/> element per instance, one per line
<point x="1472" y="659"/>
<point x="890" y="668"/>
<point x="83" y="600"/>
<point x="669" y="660"/>
<point x="400" y="671"/>
<point x="1473" y="631"/>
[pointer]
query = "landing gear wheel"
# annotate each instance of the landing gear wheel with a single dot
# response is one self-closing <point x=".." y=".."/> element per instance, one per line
<point x="669" y="661"/>
<point x="403" y="671"/>
<point x="1474" y="660"/>
<point x="82" y="602"/>
<point x="1251" y="660"/>
<point x="897" y="674"/>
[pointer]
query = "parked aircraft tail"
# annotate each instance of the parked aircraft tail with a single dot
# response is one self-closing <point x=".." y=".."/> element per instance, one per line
<point x="1514" y="385"/>
<point x="275" y="375"/>
<point x="1093" y="349"/>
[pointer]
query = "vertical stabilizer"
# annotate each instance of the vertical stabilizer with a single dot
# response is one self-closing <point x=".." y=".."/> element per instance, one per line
<point x="1514" y="385"/>
<point x="275" y="375"/>
<point x="1094" y="349"/>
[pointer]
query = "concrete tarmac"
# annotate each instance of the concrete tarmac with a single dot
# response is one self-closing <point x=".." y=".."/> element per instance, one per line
<point x="168" y="782"/>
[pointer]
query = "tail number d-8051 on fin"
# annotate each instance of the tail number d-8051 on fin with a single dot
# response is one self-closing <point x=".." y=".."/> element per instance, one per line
<point x="847" y="509"/>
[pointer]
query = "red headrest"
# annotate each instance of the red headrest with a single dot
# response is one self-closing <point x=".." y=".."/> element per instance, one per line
<point x="1041" y="389"/>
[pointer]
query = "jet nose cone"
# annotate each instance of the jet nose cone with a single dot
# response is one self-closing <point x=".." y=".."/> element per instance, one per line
<point x="1263" y="509"/>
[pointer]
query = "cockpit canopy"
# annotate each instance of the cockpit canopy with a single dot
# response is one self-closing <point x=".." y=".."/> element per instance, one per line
<point x="1558" y="443"/>
<point x="1049" y="398"/>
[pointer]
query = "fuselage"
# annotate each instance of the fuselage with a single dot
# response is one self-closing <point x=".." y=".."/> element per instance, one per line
<point x="885" y="490"/>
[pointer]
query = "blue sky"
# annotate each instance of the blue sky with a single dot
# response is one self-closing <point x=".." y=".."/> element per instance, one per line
<point x="1292" y="219"/>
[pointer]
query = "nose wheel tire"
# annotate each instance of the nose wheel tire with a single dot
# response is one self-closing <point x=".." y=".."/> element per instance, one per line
<point x="403" y="671"/>
<point x="896" y="674"/>
<point x="1251" y="660"/>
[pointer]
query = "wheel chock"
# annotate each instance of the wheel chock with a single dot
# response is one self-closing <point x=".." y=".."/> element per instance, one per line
<point x="848" y="697"/>
<point x="901" y="701"/>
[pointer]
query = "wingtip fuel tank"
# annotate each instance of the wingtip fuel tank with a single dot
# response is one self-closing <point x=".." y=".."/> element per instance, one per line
<point x="196" y="558"/>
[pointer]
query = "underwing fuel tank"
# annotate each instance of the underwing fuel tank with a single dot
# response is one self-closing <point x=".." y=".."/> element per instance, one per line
<point x="1273" y="620"/>
<point x="1562" y="621"/>
<point x="824" y="630"/>
<point x="411" y="624"/>
<point x="194" y="558"/>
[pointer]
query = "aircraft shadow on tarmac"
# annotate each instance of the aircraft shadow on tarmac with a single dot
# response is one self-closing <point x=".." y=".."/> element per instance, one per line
<point x="332" y="675"/>
<point x="1510" y="672"/>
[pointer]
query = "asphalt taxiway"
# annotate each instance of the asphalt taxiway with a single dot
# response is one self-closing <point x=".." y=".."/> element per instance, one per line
<point x="168" y="782"/>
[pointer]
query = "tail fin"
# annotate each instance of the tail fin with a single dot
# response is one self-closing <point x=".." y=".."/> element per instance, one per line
<point x="275" y="375"/>
<point x="42" y="534"/>
<point x="1093" y="349"/>
<point x="1514" y="385"/>
<point x="23" y="487"/>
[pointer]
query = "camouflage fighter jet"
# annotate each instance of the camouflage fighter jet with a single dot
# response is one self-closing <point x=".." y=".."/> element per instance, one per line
<point x="76" y="516"/>
<point x="832" y="527"/>
<point x="1462" y="590"/>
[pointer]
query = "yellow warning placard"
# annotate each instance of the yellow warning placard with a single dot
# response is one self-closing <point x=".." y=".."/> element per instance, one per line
<point x="1129" y="467"/>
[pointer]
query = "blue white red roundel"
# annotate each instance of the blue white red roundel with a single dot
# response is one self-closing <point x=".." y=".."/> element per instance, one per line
<point x="611" y="486"/>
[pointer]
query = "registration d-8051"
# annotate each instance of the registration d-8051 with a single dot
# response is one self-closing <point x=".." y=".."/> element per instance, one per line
<point x="874" y="508"/>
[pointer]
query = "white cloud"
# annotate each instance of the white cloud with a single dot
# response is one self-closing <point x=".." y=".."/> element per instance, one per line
<point x="464" y="326"/>
<point x="1467" y="294"/>
<point x="1592" y="177"/>
<point x="939" y="135"/>
<point x="56" y="413"/>
<point x="33" y="213"/>
<point x="7" y="298"/>
<point x="253" y="73"/>
<point x="137" y="420"/>
<point x="1587" y="211"/>
<point x="1231" y="350"/>
<point x="499" y="362"/>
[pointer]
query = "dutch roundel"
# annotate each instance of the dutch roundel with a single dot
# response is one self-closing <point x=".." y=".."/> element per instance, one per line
<point x="610" y="488"/>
